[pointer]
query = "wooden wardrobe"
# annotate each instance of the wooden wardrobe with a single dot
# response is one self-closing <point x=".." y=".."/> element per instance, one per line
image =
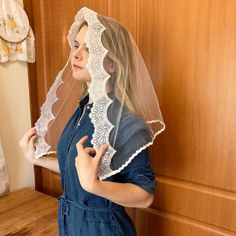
<point x="189" y="47"/>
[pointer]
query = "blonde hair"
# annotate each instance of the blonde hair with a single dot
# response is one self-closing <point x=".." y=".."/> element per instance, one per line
<point x="83" y="84"/>
<point x="116" y="39"/>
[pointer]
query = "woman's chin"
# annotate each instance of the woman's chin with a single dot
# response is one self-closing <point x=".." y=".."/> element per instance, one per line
<point x="76" y="76"/>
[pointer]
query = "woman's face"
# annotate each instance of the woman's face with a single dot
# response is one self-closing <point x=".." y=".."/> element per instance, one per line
<point x="79" y="57"/>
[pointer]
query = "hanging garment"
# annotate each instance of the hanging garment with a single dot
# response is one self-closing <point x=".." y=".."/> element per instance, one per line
<point x="16" y="35"/>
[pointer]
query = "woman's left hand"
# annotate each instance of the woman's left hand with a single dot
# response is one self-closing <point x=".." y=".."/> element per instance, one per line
<point x="87" y="165"/>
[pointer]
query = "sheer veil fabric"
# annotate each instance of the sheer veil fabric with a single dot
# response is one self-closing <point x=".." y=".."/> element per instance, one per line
<point x="124" y="100"/>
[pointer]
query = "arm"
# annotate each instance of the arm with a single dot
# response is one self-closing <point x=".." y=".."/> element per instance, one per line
<point x="48" y="162"/>
<point x="28" y="149"/>
<point x="125" y="194"/>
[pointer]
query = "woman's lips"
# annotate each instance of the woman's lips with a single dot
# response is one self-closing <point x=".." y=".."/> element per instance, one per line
<point x="78" y="67"/>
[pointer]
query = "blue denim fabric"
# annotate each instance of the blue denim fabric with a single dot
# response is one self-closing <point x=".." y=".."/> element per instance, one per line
<point x="81" y="213"/>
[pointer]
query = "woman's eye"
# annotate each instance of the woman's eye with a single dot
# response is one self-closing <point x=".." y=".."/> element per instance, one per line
<point x="76" y="46"/>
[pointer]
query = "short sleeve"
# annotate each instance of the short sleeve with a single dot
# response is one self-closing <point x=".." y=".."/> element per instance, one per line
<point x="139" y="172"/>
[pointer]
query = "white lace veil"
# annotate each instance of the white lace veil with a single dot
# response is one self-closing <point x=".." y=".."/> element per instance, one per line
<point x="125" y="111"/>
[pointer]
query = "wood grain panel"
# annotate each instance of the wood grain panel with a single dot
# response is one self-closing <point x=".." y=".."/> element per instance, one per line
<point x="119" y="10"/>
<point x="27" y="212"/>
<point x="157" y="223"/>
<point x="190" y="51"/>
<point x="202" y="203"/>
<point x="193" y="68"/>
<point x="51" y="182"/>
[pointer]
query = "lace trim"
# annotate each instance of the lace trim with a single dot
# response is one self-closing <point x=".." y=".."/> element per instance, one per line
<point x="154" y="121"/>
<point x="101" y="102"/>
<point x="113" y="172"/>
<point x="41" y="125"/>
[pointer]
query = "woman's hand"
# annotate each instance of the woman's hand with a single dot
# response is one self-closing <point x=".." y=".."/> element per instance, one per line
<point x="86" y="165"/>
<point x="27" y="144"/>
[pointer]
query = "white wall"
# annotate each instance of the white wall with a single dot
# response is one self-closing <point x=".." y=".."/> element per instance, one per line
<point x="15" y="120"/>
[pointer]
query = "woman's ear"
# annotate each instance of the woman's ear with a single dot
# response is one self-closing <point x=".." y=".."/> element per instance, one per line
<point x="111" y="68"/>
<point x="109" y="65"/>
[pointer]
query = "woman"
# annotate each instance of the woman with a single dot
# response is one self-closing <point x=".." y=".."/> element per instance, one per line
<point x="107" y="136"/>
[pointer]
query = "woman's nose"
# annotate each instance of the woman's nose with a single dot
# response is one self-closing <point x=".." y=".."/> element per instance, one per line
<point x="78" y="54"/>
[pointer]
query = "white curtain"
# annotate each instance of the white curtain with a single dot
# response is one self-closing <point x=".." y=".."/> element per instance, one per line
<point x="4" y="180"/>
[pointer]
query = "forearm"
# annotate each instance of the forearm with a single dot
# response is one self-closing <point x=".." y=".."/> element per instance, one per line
<point x="48" y="162"/>
<point x="125" y="194"/>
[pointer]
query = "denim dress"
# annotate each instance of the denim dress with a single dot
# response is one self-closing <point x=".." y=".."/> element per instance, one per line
<point x="81" y="213"/>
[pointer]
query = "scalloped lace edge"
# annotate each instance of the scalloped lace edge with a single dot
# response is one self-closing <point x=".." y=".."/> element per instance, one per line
<point x="103" y="177"/>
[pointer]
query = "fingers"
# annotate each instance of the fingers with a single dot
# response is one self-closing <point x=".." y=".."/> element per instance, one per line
<point x="90" y="150"/>
<point x="80" y="144"/>
<point x="29" y="133"/>
<point x="32" y="141"/>
<point x="27" y="136"/>
<point x="102" y="151"/>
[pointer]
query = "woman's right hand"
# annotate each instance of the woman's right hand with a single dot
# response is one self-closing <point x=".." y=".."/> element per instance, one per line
<point x="27" y="144"/>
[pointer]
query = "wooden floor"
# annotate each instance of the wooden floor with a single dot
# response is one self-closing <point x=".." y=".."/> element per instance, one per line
<point x="27" y="212"/>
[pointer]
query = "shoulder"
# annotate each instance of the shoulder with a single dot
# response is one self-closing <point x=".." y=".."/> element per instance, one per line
<point x="130" y="129"/>
<point x="131" y="125"/>
<point x="121" y="117"/>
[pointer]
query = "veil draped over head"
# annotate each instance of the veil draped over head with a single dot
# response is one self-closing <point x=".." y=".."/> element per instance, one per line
<point x="125" y="112"/>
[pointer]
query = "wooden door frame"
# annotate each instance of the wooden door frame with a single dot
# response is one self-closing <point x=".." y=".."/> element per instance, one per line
<point x="33" y="95"/>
